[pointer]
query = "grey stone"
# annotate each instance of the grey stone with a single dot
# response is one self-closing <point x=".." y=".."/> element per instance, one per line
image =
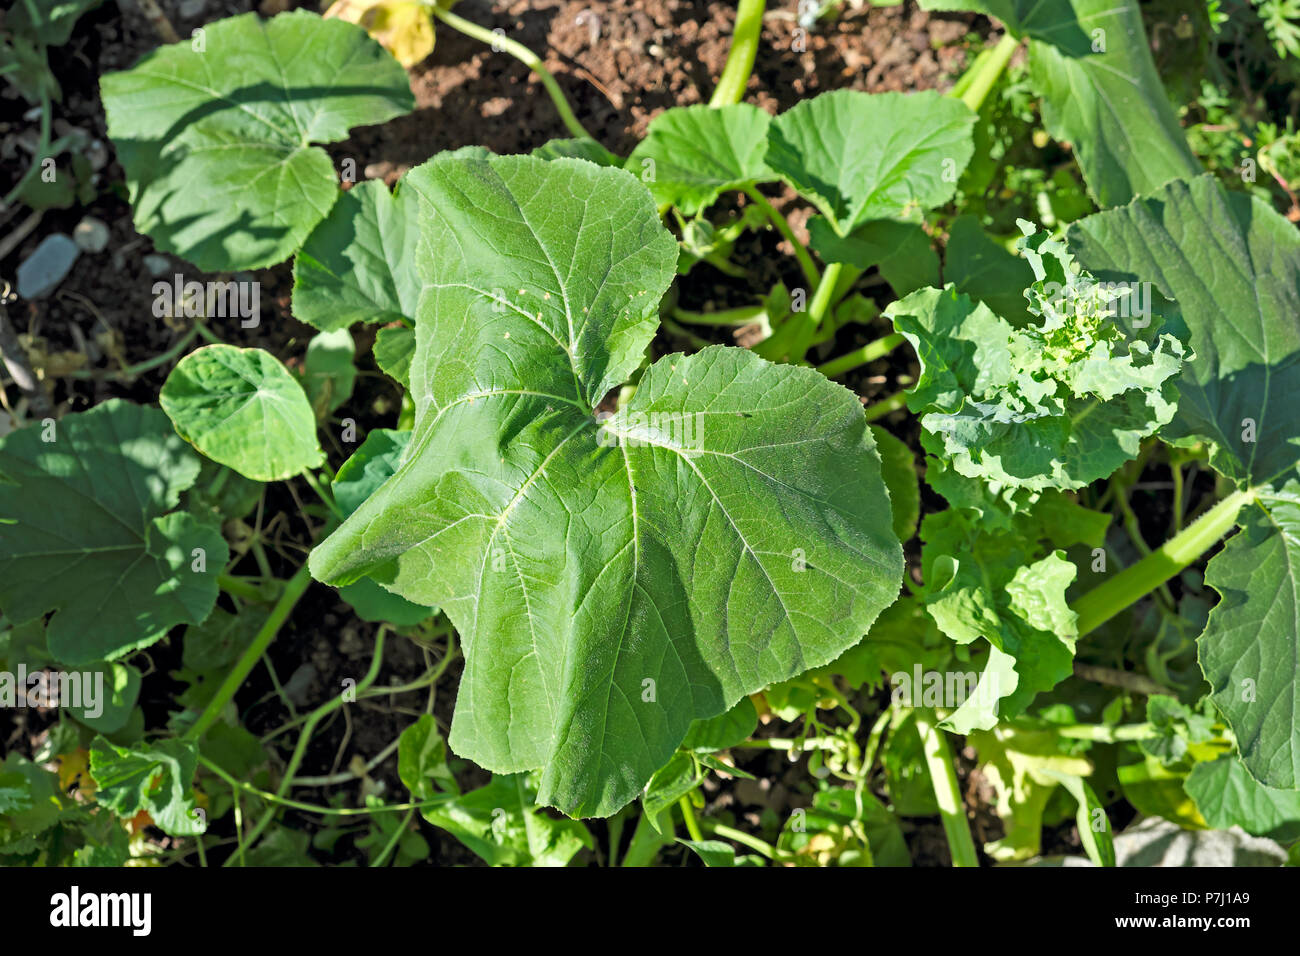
<point x="42" y="271"/>
<point x="157" y="264"/>
<point x="91" y="235"/>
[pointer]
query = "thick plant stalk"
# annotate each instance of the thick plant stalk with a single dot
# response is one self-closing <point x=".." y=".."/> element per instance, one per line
<point x="740" y="59"/>
<point x="524" y="55"/>
<point x="1133" y="583"/>
<point x="293" y="590"/>
<point x="868" y="353"/>
<point x="890" y="403"/>
<point x="974" y="86"/>
<point x="938" y="758"/>
<point x="822" y="301"/>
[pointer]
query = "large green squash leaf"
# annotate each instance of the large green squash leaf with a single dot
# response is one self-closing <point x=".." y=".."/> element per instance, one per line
<point x="862" y="156"/>
<point x="242" y="408"/>
<point x="217" y="143"/>
<point x="691" y="154"/>
<point x="85" y="531"/>
<point x="613" y="579"/>
<point x="1107" y="101"/>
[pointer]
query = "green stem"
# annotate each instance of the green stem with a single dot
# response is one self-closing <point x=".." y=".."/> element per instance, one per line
<point x="743" y="315"/>
<point x="975" y="85"/>
<point x="1133" y="583"/>
<point x="947" y="793"/>
<point x="139" y="368"/>
<point x="868" y="353"/>
<point x="392" y="843"/>
<point x="314" y="483"/>
<point x="309" y="727"/>
<point x="316" y="807"/>
<point x="688" y="817"/>
<point x="1100" y="733"/>
<point x="744" y="839"/>
<point x="891" y="403"/>
<point x="293" y="590"/>
<point x="740" y="59"/>
<point x="244" y="588"/>
<point x="806" y="326"/>
<point x="787" y="232"/>
<point x="499" y="41"/>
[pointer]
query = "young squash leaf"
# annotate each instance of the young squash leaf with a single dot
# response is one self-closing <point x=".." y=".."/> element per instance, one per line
<point x="356" y="266"/>
<point x="577" y="148"/>
<point x="243" y="409"/>
<point x="394" y="349"/>
<point x="693" y="154"/>
<point x="862" y="156"/>
<point x="422" y="760"/>
<point x="329" y="371"/>
<point x="216" y="141"/>
<point x="613" y="579"/>
<point x="94" y="503"/>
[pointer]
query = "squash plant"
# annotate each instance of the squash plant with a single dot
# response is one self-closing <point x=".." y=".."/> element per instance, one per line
<point x="634" y="553"/>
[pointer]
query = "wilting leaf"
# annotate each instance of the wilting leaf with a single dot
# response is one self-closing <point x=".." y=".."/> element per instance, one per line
<point x="155" y="777"/>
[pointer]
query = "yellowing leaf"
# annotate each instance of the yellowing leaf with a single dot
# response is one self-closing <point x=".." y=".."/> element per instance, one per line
<point x="403" y="28"/>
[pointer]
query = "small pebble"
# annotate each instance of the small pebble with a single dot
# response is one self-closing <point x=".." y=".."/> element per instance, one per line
<point x="157" y="264"/>
<point x="42" y="271"/>
<point x="91" y="235"/>
<point x="192" y="8"/>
